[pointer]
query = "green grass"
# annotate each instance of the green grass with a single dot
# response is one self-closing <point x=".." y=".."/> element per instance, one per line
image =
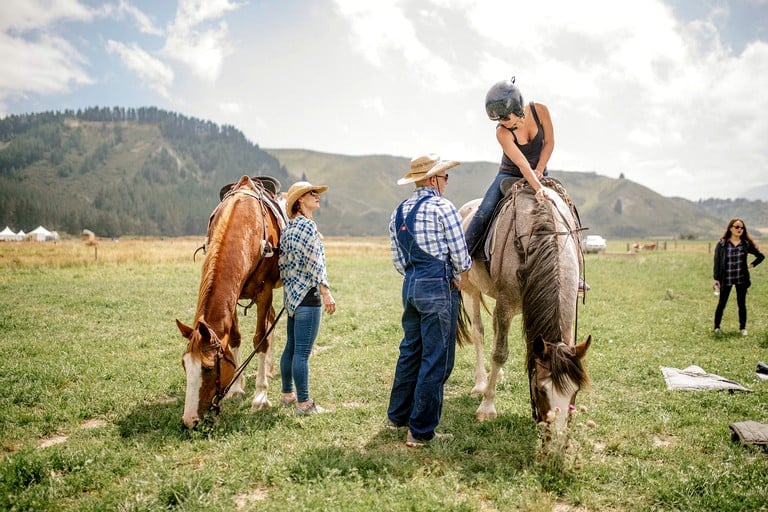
<point x="91" y="358"/>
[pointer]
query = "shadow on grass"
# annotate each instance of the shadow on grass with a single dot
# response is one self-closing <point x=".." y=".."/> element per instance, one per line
<point x="497" y="450"/>
<point x="157" y="422"/>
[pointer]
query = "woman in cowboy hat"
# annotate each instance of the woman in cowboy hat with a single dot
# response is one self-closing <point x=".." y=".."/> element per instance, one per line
<point x="305" y="292"/>
<point x="428" y="249"/>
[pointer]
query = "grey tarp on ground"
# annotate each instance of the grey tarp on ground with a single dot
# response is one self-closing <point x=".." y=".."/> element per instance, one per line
<point x="694" y="378"/>
<point x="750" y="432"/>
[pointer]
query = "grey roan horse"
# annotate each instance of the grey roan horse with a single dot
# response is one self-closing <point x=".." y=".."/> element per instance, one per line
<point x="535" y="264"/>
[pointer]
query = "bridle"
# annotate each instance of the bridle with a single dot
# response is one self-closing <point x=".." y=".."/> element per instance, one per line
<point x="532" y="378"/>
<point x="220" y="354"/>
<point x="218" y="357"/>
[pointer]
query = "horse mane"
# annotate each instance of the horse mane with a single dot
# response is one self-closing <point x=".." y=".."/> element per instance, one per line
<point x="539" y="277"/>
<point x="215" y="247"/>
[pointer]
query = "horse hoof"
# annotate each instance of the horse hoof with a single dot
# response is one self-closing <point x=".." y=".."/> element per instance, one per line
<point x="486" y="413"/>
<point x="477" y="391"/>
<point x="235" y="393"/>
<point x="260" y="406"/>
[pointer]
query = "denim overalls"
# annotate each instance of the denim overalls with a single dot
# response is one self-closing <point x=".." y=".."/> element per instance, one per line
<point x="430" y="313"/>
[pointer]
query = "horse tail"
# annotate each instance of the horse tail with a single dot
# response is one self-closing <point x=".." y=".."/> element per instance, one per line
<point x="539" y="277"/>
<point x="464" y="325"/>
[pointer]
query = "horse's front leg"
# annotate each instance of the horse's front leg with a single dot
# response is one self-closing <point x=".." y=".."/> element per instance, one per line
<point x="501" y="319"/>
<point x="238" y="387"/>
<point x="260" y="399"/>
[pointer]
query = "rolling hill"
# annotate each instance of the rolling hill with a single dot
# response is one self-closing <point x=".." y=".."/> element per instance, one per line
<point x="363" y="192"/>
<point x="148" y="172"/>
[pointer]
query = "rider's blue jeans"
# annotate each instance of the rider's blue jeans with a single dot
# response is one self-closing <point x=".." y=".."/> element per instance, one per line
<point x="302" y="327"/>
<point x="479" y="223"/>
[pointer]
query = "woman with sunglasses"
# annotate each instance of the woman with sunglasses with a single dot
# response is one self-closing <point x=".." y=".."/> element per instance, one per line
<point x="305" y="293"/>
<point x="527" y="139"/>
<point x="731" y="269"/>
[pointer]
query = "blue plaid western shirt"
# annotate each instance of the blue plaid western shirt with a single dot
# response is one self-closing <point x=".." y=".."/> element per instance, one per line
<point x="437" y="231"/>
<point x="301" y="261"/>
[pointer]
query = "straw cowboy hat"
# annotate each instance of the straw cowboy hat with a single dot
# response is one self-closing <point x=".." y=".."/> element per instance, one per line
<point x="297" y="190"/>
<point x="425" y="166"/>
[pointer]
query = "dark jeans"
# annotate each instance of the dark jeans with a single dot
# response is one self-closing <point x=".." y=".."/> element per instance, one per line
<point x="479" y="223"/>
<point x="426" y="360"/>
<point x="741" y="301"/>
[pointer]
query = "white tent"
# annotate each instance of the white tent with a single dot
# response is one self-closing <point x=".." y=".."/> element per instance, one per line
<point x="39" y="234"/>
<point x="7" y="235"/>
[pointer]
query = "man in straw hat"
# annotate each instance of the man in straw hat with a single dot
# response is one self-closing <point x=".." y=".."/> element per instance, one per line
<point x="428" y="249"/>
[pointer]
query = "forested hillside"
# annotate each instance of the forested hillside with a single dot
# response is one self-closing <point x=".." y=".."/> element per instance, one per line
<point x="120" y="171"/>
<point x="148" y="172"/>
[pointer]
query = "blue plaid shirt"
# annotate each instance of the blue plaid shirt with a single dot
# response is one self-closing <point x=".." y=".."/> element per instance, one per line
<point x="437" y="231"/>
<point x="301" y="261"/>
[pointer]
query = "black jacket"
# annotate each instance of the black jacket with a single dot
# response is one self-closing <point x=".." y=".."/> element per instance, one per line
<point x="721" y="255"/>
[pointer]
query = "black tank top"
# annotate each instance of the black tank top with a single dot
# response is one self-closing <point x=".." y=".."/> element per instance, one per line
<point x="531" y="151"/>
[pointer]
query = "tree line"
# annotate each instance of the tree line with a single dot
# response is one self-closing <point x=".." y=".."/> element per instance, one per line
<point x="120" y="171"/>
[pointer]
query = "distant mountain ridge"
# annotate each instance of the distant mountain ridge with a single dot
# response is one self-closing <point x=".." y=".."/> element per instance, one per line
<point x="363" y="192"/>
<point x="145" y="171"/>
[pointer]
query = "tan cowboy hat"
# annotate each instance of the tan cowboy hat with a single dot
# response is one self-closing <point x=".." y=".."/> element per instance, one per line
<point x="297" y="190"/>
<point x="425" y="166"/>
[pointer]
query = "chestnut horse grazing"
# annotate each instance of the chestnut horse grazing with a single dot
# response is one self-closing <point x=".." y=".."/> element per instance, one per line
<point x="239" y="264"/>
<point x="534" y="268"/>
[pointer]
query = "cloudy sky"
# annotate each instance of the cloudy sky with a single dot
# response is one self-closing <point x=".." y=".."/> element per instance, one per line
<point x="671" y="93"/>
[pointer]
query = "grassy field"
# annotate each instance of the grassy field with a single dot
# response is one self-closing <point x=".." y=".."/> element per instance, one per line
<point x="93" y="390"/>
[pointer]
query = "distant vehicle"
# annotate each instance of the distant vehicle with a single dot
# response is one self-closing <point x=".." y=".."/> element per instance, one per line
<point x="594" y="243"/>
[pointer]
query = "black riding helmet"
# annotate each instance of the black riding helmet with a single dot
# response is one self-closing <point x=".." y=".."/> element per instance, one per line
<point x="503" y="99"/>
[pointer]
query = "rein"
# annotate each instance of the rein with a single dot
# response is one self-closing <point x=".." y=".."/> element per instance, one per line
<point x="221" y="393"/>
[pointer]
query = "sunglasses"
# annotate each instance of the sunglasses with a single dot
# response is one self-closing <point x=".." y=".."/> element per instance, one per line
<point x="502" y="118"/>
<point x="737" y="227"/>
<point x="313" y="193"/>
<point x="444" y="177"/>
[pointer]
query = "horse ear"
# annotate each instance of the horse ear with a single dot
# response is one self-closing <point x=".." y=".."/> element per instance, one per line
<point x="539" y="346"/>
<point x="204" y="330"/>
<point x="186" y="331"/>
<point x="581" y="348"/>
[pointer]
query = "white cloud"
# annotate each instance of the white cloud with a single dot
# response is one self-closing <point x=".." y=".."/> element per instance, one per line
<point x="203" y="51"/>
<point x="37" y="14"/>
<point x="34" y="60"/>
<point x="125" y="8"/>
<point x="388" y="38"/>
<point x="157" y="75"/>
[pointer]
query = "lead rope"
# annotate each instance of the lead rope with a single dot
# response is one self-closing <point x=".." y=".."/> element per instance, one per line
<point x="219" y="395"/>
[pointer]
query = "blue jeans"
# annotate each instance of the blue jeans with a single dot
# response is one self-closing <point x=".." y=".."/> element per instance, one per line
<point x="479" y="223"/>
<point x="303" y="327"/>
<point x="426" y="360"/>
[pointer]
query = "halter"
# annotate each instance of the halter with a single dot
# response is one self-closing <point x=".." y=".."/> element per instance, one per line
<point x="220" y="354"/>
<point x="531" y="380"/>
<point x="221" y="393"/>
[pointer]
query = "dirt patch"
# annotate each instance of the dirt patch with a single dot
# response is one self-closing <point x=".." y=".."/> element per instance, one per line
<point x="93" y="424"/>
<point x="51" y="441"/>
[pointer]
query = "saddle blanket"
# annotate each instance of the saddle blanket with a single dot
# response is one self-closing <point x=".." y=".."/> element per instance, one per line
<point x="694" y="378"/>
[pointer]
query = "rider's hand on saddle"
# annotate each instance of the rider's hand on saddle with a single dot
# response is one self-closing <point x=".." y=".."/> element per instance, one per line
<point x="543" y="194"/>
